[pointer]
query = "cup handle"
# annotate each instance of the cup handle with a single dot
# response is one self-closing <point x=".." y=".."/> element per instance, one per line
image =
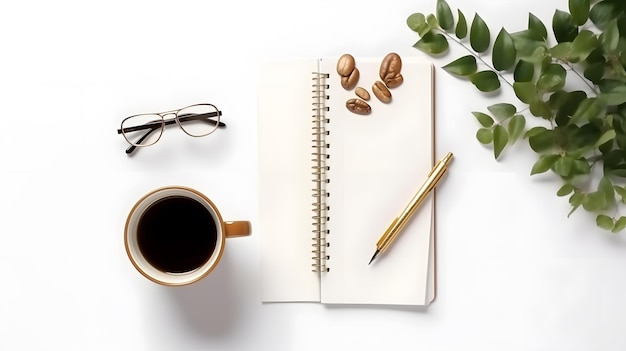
<point x="234" y="229"/>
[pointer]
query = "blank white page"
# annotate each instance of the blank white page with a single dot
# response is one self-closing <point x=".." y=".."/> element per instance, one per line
<point x="377" y="163"/>
<point x="285" y="181"/>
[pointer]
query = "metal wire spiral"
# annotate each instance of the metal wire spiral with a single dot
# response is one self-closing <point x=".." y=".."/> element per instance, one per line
<point x="319" y="172"/>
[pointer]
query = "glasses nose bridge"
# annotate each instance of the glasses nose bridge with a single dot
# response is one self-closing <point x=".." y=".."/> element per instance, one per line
<point x="170" y="117"/>
<point x="172" y="113"/>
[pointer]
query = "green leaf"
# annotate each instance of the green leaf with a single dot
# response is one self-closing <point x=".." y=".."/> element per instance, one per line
<point x="621" y="192"/>
<point x="561" y="50"/>
<point x="594" y="72"/>
<point x="417" y="23"/>
<point x="463" y="66"/>
<point x="618" y="171"/>
<point x="579" y="10"/>
<point x="484" y="135"/>
<point x="539" y="108"/>
<point x="484" y="119"/>
<point x="620" y="138"/>
<point x="516" y="127"/>
<point x="583" y="45"/>
<point x="525" y="91"/>
<point x="535" y="131"/>
<point x="524" y="71"/>
<point x="552" y="78"/>
<point x="503" y="55"/>
<point x="594" y="202"/>
<point x="432" y="43"/>
<point x="596" y="56"/>
<point x="485" y="81"/>
<point x="577" y="139"/>
<point x="528" y="48"/>
<point x="607" y="136"/>
<point x="544" y="163"/>
<point x="621" y="46"/>
<point x="607" y="85"/>
<point x="605" y="187"/>
<point x="444" y="15"/>
<point x="557" y="99"/>
<point x="610" y="37"/>
<point x="612" y="159"/>
<point x="566" y="104"/>
<point x="563" y="166"/>
<point x="537" y="28"/>
<point x="566" y="189"/>
<point x="609" y="154"/>
<point x="461" y="26"/>
<point x="581" y="166"/>
<point x="617" y="68"/>
<point x="502" y="110"/>
<point x="500" y="139"/>
<point x="605" y="222"/>
<point x="540" y="139"/>
<point x="587" y="109"/>
<point x="479" y="35"/>
<point x="563" y="26"/>
<point x="602" y="13"/>
<point x="620" y="224"/>
<point x="539" y="55"/>
<point x="432" y="21"/>
<point x="615" y="95"/>
<point x="575" y="200"/>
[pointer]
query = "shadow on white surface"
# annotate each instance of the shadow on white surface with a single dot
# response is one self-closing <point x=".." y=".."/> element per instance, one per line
<point x="181" y="151"/>
<point x="209" y="307"/>
<point x="400" y="308"/>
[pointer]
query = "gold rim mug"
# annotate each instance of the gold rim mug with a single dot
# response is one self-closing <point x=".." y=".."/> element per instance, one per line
<point x="224" y="230"/>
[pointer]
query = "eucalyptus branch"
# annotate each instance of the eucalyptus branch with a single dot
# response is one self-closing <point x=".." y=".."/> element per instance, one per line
<point x="479" y="57"/>
<point x="585" y="135"/>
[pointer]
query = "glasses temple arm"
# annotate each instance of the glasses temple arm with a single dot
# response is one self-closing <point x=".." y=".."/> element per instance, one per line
<point x="132" y="147"/>
<point x="203" y="116"/>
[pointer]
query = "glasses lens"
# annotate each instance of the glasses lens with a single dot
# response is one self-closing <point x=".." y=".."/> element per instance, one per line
<point x="143" y="130"/>
<point x="199" y="120"/>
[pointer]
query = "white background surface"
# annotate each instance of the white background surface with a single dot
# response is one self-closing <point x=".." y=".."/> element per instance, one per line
<point x="513" y="272"/>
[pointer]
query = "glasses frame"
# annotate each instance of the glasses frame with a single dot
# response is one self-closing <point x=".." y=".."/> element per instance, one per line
<point x="162" y="122"/>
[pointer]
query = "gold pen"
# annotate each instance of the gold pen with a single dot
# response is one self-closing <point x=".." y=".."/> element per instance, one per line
<point x="399" y="222"/>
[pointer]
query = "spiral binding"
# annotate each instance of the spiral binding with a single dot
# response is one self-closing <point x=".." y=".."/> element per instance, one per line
<point x="319" y="172"/>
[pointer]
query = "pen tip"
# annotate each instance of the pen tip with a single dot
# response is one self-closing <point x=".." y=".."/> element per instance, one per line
<point x="373" y="257"/>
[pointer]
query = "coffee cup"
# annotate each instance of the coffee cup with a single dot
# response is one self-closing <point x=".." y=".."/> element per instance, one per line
<point x="175" y="235"/>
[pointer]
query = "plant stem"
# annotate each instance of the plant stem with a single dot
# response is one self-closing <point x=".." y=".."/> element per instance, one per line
<point x="591" y="87"/>
<point x="475" y="55"/>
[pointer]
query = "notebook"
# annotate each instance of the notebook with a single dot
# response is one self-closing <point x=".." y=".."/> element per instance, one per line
<point x="332" y="181"/>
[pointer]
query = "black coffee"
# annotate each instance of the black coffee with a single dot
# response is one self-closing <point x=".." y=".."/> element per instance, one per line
<point x="177" y="234"/>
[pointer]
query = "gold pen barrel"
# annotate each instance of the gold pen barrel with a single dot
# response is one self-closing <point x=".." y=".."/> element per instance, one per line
<point x="399" y="222"/>
<point x="389" y="235"/>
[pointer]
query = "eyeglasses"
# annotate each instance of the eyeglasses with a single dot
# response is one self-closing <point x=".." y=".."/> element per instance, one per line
<point x="146" y="129"/>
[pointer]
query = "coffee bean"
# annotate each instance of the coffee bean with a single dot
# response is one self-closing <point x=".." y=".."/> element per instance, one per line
<point x="395" y="81"/>
<point x="358" y="106"/>
<point x="390" y="69"/>
<point x="345" y="65"/>
<point x="349" y="82"/>
<point x="362" y="93"/>
<point x="381" y="92"/>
